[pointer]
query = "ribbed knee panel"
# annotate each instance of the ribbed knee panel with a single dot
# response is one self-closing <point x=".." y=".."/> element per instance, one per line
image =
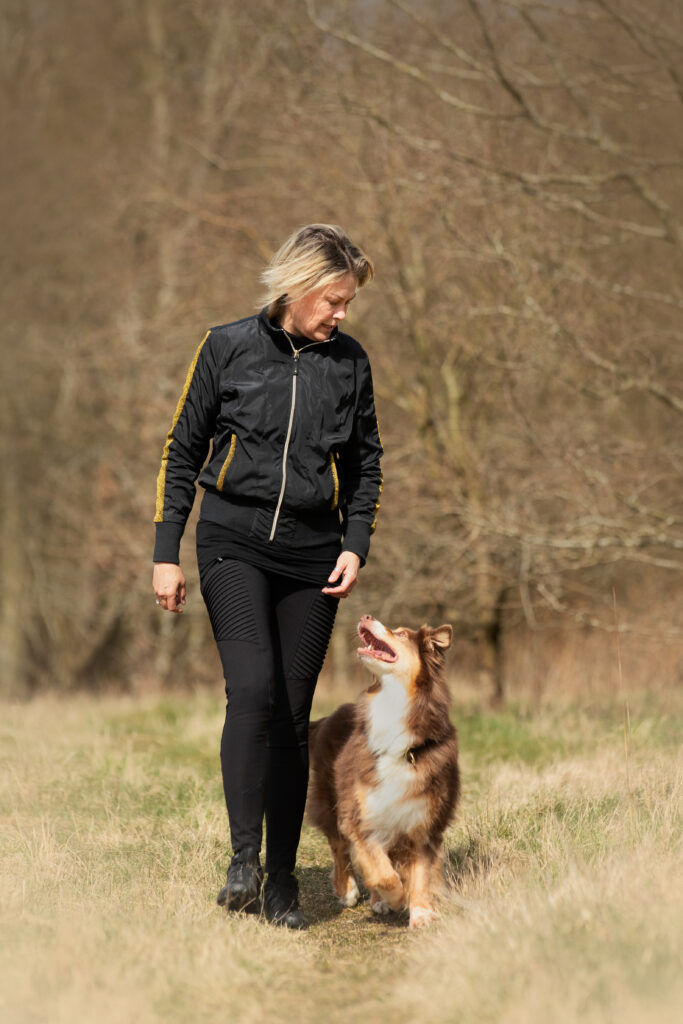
<point x="229" y="603"/>
<point x="314" y="639"/>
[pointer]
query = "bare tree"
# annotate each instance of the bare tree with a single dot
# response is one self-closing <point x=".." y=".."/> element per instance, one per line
<point x="514" y="167"/>
<point x="526" y="164"/>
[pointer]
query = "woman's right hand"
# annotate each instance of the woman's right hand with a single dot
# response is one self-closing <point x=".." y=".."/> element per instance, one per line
<point x="169" y="586"/>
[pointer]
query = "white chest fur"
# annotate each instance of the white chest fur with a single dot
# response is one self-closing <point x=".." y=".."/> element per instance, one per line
<point x="391" y="808"/>
<point x="387" y="719"/>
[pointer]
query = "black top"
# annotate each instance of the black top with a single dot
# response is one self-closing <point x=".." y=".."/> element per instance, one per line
<point x="216" y="541"/>
<point x="290" y="430"/>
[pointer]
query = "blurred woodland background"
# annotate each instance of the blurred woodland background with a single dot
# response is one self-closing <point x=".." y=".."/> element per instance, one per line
<point x="514" y="168"/>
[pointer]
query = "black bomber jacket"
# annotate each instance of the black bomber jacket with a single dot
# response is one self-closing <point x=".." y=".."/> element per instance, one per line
<point x="292" y="430"/>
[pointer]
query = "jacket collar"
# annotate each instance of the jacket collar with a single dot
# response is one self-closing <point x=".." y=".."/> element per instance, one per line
<point x="276" y="332"/>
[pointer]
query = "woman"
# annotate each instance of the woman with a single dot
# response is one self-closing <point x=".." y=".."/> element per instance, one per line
<point x="292" y="485"/>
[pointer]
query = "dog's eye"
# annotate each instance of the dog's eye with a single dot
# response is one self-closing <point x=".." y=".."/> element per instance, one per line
<point x="400" y="633"/>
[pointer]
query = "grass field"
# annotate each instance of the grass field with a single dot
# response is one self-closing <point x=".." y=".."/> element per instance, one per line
<point x="565" y="895"/>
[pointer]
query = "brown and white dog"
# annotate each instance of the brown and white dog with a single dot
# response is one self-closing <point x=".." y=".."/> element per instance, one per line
<point x="385" y="773"/>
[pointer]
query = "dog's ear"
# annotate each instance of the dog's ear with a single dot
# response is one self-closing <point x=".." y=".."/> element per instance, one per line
<point x="441" y="637"/>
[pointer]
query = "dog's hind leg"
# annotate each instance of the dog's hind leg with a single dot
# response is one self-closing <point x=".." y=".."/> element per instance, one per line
<point x="345" y="884"/>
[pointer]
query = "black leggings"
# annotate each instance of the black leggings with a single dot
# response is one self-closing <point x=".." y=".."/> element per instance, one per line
<point x="272" y="634"/>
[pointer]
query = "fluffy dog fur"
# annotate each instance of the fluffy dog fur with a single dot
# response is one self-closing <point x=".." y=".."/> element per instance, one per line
<point x="385" y="773"/>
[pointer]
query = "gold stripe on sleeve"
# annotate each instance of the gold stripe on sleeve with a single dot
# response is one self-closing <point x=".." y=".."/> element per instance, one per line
<point x="373" y="525"/>
<point x="161" y="478"/>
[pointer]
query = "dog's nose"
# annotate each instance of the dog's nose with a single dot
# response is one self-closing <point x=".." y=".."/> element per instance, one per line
<point x="367" y="618"/>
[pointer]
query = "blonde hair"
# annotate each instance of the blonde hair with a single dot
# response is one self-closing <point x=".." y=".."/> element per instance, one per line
<point x="310" y="258"/>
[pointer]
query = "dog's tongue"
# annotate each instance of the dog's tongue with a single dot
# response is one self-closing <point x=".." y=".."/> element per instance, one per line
<point x="375" y="648"/>
<point x="368" y="652"/>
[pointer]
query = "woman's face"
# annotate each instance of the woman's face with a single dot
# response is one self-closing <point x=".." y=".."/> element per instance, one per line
<point x="317" y="314"/>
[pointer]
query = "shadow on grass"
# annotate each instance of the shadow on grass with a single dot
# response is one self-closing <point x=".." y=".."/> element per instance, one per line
<point x="321" y="904"/>
<point x="471" y="858"/>
<point x="317" y="894"/>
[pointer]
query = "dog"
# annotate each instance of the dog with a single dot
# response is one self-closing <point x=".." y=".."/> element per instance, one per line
<point x="385" y="778"/>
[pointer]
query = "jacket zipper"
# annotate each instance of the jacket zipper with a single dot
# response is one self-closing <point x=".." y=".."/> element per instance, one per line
<point x="296" y="353"/>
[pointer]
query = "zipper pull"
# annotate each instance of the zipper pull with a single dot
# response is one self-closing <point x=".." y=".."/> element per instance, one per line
<point x="296" y="362"/>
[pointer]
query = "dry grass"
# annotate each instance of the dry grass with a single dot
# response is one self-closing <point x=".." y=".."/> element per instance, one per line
<point x="565" y="900"/>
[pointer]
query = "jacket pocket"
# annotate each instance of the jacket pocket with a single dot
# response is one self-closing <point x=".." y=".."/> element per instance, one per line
<point x="228" y="459"/>
<point x="335" y="480"/>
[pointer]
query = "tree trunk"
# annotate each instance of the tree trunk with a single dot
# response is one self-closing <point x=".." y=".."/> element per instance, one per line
<point x="12" y="680"/>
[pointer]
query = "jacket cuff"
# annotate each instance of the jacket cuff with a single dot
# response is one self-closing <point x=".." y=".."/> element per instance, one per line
<point x="357" y="539"/>
<point x="167" y="544"/>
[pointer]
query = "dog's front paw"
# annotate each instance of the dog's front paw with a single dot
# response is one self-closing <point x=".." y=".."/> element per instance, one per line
<point x="422" y="916"/>
<point x="393" y="894"/>
<point x="378" y="905"/>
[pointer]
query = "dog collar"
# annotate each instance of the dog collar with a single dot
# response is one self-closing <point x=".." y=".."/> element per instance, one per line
<point x="412" y="753"/>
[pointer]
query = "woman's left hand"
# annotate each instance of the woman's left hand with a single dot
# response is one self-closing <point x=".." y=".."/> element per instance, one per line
<point x="344" y="576"/>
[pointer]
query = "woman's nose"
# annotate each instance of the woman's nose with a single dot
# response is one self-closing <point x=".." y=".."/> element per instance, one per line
<point x="339" y="314"/>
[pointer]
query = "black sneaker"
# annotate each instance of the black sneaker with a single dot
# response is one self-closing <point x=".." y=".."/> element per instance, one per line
<point x="281" y="901"/>
<point x="242" y="890"/>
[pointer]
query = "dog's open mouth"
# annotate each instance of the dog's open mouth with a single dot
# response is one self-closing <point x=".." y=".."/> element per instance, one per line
<point x="374" y="647"/>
